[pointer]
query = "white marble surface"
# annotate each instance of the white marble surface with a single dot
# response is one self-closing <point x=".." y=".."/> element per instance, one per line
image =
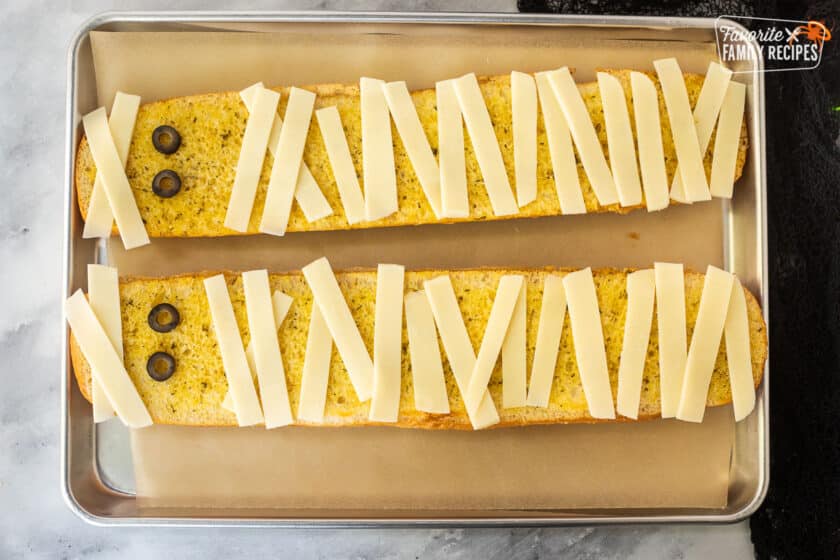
<point x="34" y="521"/>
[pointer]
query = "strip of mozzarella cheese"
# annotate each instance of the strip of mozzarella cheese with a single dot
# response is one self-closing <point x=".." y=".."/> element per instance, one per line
<point x="736" y="331"/>
<point x="588" y="336"/>
<point x="424" y="352"/>
<point x="308" y="194"/>
<point x="641" y="289"/>
<point x="287" y="162"/>
<point x="104" y="299"/>
<point x="380" y="176"/>
<point x="563" y="164"/>
<point x="486" y="145"/>
<point x="344" y="172"/>
<point x="514" y="358"/>
<point x="268" y="363"/>
<point x="705" y="343"/>
<point x="457" y="345"/>
<point x="316" y="369"/>
<point x="342" y="326"/>
<point x="106" y="366"/>
<point x="415" y="142"/>
<point x="649" y="138"/>
<point x="683" y="130"/>
<point x="508" y="292"/>
<point x="523" y="93"/>
<point x="453" y="168"/>
<point x="100" y="219"/>
<point x="671" y="326"/>
<point x="620" y="143"/>
<point x="727" y="141"/>
<point x="387" y="344"/>
<point x="109" y="168"/>
<point x="585" y="137"/>
<point x="549" y="331"/>
<point x="706" y="111"/>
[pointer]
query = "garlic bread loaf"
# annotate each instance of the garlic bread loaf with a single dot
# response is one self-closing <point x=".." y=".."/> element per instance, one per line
<point x="193" y="393"/>
<point x="211" y="129"/>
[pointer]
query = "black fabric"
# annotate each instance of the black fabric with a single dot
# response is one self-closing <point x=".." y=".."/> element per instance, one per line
<point x="801" y="515"/>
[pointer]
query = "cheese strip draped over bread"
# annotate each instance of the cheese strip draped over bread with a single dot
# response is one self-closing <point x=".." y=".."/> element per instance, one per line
<point x="100" y="218"/>
<point x="426" y="367"/>
<point x="316" y="369"/>
<point x="549" y="331"/>
<point x="737" y="334"/>
<point x="727" y="141"/>
<point x="106" y="365"/>
<point x="335" y="142"/>
<point x="486" y="145"/>
<point x="117" y="189"/>
<point x="514" y="354"/>
<point x="104" y="298"/>
<point x="453" y="172"/>
<point x="641" y="288"/>
<point x="563" y="164"/>
<point x="671" y="326"/>
<point x="387" y="343"/>
<point x="377" y="152"/>
<point x="287" y="162"/>
<point x="308" y="194"/>
<point x="523" y="92"/>
<point x="620" y="143"/>
<point x="649" y="140"/>
<point x="251" y="157"/>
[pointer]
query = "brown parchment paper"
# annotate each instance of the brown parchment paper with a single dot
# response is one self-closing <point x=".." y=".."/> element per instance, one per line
<point x="368" y="471"/>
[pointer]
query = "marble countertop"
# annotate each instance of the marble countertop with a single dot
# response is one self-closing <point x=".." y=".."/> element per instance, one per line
<point x="34" y="521"/>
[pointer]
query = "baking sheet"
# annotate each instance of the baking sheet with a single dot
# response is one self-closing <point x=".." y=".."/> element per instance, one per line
<point x="654" y="464"/>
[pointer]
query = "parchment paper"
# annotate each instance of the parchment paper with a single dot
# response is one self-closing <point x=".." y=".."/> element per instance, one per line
<point x="385" y="471"/>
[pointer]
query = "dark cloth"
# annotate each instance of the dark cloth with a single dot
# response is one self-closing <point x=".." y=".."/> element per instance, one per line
<point x="801" y="516"/>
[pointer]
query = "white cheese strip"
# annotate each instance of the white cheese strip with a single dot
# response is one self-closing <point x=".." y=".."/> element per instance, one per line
<point x="549" y="331"/>
<point x="380" y="176"/>
<point x="100" y="219"/>
<point x="671" y="326"/>
<point x="486" y="145"/>
<point x="268" y="363"/>
<point x="104" y="299"/>
<point x="387" y="344"/>
<point x="415" y="142"/>
<point x="106" y="366"/>
<point x="287" y="162"/>
<point x="640" y="296"/>
<point x="342" y="326"/>
<point x="563" y="164"/>
<point x="238" y="374"/>
<point x="335" y="141"/>
<point x="514" y="358"/>
<point x="705" y="343"/>
<point x="649" y="138"/>
<point x="281" y="303"/>
<point x="727" y="141"/>
<point x="251" y="158"/>
<point x="583" y="132"/>
<point x="684" y="131"/>
<point x="736" y="330"/>
<point x="109" y="168"/>
<point x="508" y="292"/>
<point x="424" y="352"/>
<point x="523" y="93"/>
<point x="453" y="171"/>
<point x="456" y="343"/>
<point x="588" y="336"/>
<point x="706" y="111"/>
<point x="316" y="369"/>
<point x="620" y="143"/>
<point x="308" y="194"/>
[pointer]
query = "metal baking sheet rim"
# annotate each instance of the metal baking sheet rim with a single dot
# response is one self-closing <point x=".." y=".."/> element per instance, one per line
<point x="756" y="134"/>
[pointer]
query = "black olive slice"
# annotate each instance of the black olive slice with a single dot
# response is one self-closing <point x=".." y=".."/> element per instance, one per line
<point x="166" y="184"/>
<point x="160" y="366"/>
<point x="164" y="317"/>
<point x="166" y="139"/>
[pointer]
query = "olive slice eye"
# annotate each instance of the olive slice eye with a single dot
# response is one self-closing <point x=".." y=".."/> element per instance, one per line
<point x="166" y="184"/>
<point x="166" y="139"/>
<point x="164" y="317"/>
<point x="160" y="366"/>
